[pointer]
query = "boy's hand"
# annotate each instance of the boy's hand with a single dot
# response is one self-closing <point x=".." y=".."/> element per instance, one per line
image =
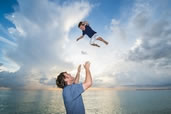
<point x="78" y="39"/>
<point x="86" y="23"/>
<point x="87" y="65"/>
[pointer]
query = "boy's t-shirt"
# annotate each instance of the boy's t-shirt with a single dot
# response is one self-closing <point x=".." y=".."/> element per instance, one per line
<point x="88" y="31"/>
<point x="73" y="100"/>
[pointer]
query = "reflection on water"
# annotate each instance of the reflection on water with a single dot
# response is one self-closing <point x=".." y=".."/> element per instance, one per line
<point x="33" y="102"/>
<point x="96" y="102"/>
<point x="101" y="102"/>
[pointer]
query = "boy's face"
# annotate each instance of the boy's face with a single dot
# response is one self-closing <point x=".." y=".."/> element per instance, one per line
<point x="82" y="27"/>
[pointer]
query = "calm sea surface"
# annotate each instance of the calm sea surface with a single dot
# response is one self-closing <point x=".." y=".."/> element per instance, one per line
<point x="95" y="101"/>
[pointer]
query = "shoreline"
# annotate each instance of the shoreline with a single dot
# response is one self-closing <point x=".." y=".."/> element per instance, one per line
<point x="96" y="89"/>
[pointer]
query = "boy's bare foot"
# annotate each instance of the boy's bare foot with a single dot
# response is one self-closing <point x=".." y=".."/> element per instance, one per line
<point x="95" y="45"/>
<point x="106" y="42"/>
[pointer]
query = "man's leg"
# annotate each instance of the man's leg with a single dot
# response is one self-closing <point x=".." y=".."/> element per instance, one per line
<point x="95" y="45"/>
<point x="101" y="39"/>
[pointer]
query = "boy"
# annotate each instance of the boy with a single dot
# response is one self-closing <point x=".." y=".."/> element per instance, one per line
<point x="86" y="29"/>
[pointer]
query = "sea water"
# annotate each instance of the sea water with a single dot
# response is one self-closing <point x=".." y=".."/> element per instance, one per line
<point x="95" y="101"/>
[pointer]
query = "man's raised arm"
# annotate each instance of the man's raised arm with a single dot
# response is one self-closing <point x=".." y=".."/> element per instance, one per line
<point x="77" y="77"/>
<point x="88" y="79"/>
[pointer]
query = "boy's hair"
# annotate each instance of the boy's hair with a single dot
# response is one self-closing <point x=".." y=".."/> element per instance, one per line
<point x="79" y="24"/>
<point x="60" y="82"/>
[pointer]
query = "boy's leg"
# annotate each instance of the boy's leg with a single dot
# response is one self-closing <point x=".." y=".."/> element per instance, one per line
<point x="101" y="39"/>
<point x="92" y="41"/>
<point x="95" y="45"/>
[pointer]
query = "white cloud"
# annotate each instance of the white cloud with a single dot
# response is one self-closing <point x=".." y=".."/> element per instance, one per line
<point x="144" y="48"/>
<point x="41" y="33"/>
<point x="154" y="37"/>
<point x="7" y="41"/>
<point x="138" y="50"/>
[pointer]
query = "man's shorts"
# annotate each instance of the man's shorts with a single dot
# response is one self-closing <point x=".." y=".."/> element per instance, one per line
<point x="93" y="39"/>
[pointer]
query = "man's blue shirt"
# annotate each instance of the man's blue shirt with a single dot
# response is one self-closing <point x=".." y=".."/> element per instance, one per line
<point x="89" y="31"/>
<point x="73" y="100"/>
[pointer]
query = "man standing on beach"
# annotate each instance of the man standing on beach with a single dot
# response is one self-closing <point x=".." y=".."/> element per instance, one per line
<point x="72" y="89"/>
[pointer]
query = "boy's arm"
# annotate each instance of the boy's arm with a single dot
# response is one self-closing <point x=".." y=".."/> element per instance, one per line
<point x="77" y="77"/>
<point x="88" y="80"/>
<point x="86" y="23"/>
<point x="80" y="37"/>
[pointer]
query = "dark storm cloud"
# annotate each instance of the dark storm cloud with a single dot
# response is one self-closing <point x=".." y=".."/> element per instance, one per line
<point x="11" y="80"/>
<point x="1" y="64"/>
<point x="155" y="41"/>
<point x="46" y="81"/>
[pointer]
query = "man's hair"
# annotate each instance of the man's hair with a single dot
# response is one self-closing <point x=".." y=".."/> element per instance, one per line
<point x="60" y="82"/>
<point x="79" y="24"/>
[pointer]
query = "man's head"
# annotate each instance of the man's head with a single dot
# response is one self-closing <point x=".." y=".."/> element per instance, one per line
<point x="64" y="79"/>
<point x="81" y="25"/>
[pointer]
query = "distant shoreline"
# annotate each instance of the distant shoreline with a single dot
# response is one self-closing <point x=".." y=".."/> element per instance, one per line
<point x="96" y="89"/>
<point x="154" y="89"/>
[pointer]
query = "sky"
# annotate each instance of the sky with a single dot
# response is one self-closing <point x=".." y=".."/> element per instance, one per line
<point x="38" y="41"/>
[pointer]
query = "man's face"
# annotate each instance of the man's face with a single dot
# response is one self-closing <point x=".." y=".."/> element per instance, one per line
<point x="68" y="78"/>
<point x="82" y="27"/>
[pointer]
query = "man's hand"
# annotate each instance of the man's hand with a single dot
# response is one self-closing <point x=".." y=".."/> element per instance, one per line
<point x="88" y="80"/>
<point x="87" y="65"/>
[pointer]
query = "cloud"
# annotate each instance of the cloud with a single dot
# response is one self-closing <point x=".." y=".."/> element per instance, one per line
<point x="84" y="52"/>
<point x="41" y="33"/>
<point x="1" y="64"/>
<point x="7" y="41"/>
<point x="144" y="44"/>
<point x="137" y="54"/>
<point x="154" y="39"/>
<point x="112" y="65"/>
<point x="49" y="82"/>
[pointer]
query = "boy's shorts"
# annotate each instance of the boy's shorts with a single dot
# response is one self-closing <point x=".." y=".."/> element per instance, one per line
<point x="94" y="38"/>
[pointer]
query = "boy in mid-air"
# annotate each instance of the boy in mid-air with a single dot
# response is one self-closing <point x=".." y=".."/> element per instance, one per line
<point x="86" y="29"/>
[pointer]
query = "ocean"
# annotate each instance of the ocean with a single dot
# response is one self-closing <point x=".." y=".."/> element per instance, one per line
<point x="95" y="101"/>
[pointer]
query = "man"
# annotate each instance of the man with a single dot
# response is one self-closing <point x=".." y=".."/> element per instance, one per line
<point x="72" y="89"/>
